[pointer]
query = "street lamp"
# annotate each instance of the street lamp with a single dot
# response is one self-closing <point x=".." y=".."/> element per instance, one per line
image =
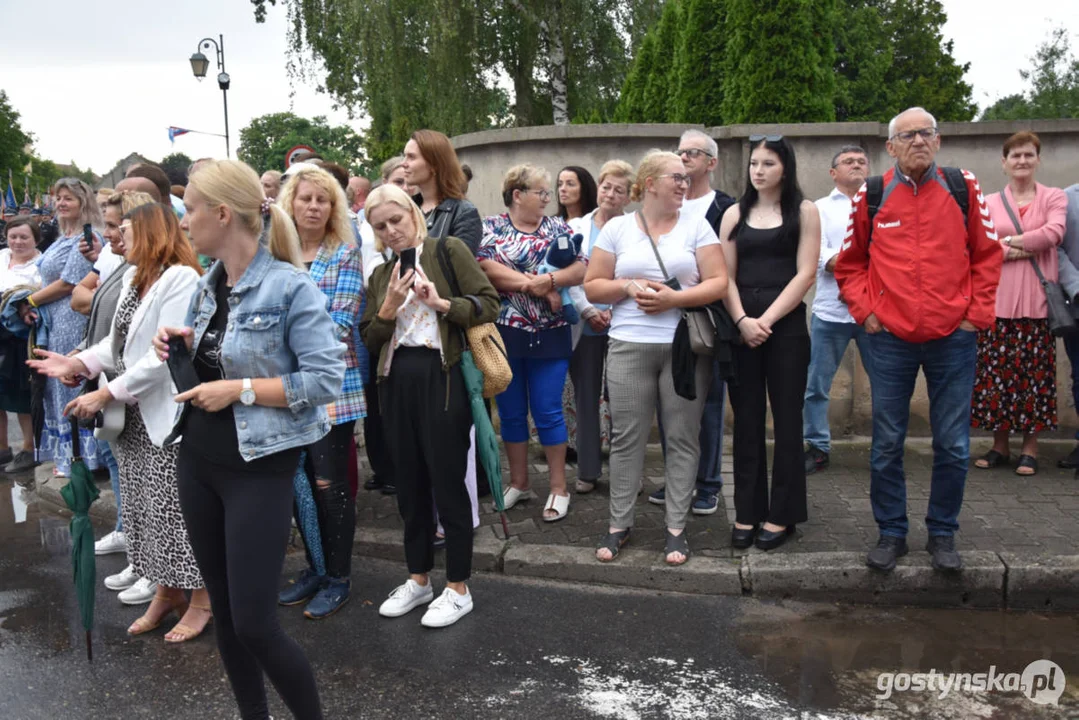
<point x="200" y="64"/>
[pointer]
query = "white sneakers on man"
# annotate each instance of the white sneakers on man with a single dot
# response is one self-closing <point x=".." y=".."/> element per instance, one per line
<point x="406" y="597"/>
<point x="114" y="542"/>
<point x="122" y="580"/>
<point x="448" y="609"/>
<point x="142" y="591"/>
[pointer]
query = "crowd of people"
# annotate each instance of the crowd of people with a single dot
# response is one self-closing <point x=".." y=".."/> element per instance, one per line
<point x="303" y="302"/>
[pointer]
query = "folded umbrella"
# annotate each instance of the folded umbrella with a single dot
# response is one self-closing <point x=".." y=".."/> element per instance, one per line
<point x="307" y="517"/>
<point x="79" y="493"/>
<point x="487" y="448"/>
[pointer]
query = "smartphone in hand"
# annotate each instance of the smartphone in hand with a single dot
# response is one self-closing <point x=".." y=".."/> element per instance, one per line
<point x="87" y="239"/>
<point x="408" y="261"/>
<point x="180" y="365"/>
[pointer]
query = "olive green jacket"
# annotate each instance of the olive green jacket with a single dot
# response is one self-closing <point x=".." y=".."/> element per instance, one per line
<point x="378" y="333"/>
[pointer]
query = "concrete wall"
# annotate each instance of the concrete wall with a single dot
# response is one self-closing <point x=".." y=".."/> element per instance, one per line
<point x="973" y="146"/>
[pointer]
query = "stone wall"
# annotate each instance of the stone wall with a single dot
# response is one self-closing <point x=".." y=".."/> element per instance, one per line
<point x="973" y="146"/>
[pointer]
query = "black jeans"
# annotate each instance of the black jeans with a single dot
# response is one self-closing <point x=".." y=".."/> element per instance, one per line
<point x="327" y="460"/>
<point x="427" y="427"/>
<point x="238" y="522"/>
<point x="374" y="437"/>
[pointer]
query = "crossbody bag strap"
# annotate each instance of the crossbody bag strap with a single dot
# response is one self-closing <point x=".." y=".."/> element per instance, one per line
<point x="1018" y="226"/>
<point x="652" y="243"/>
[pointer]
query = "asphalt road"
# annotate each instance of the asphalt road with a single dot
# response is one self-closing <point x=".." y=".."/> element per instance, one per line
<point x="529" y="650"/>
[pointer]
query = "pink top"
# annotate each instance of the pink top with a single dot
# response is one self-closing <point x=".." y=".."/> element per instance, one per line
<point x="1020" y="294"/>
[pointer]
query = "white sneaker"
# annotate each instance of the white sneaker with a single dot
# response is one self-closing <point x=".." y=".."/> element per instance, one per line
<point x="142" y="591"/>
<point x="122" y="580"/>
<point x="114" y="542"/>
<point x="406" y="597"/>
<point x="448" y="609"/>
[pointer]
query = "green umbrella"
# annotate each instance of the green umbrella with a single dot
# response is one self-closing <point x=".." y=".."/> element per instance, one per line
<point x="486" y="441"/>
<point x="79" y="493"/>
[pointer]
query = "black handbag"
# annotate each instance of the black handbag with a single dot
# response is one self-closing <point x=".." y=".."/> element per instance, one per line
<point x="1061" y="313"/>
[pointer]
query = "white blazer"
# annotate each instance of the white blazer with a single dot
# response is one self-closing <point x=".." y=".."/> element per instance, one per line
<point x="147" y="380"/>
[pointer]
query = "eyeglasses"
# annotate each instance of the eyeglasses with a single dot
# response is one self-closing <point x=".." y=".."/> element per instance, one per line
<point x="543" y="194"/>
<point x="693" y="152"/>
<point x="908" y="135"/>
<point x="852" y="161"/>
<point x="765" y="138"/>
<point x="679" y="178"/>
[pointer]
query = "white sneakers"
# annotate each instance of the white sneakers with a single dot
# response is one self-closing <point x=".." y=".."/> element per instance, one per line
<point x="142" y="591"/>
<point x="406" y="597"/>
<point x="448" y="609"/>
<point x="114" y="542"/>
<point x="122" y="580"/>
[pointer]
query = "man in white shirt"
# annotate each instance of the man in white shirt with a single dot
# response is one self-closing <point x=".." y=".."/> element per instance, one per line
<point x="700" y="155"/>
<point x="832" y="327"/>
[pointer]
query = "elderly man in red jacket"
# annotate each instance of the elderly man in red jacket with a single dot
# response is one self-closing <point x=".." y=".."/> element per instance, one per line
<point x="921" y="276"/>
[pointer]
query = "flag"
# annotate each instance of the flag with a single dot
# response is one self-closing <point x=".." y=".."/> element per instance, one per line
<point x="26" y="192"/>
<point x="175" y="132"/>
<point x="9" y="197"/>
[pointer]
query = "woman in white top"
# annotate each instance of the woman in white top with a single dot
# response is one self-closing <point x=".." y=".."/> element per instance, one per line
<point x="588" y="417"/>
<point x="625" y="270"/>
<point x="18" y="266"/>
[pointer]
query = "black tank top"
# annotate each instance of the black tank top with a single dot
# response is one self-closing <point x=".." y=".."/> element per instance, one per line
<point x="767" y="261"/>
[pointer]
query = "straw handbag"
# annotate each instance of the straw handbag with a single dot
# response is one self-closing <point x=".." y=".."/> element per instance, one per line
<point x="485" y="342"/>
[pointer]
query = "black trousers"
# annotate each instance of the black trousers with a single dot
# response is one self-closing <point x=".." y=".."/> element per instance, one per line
<point x="238" y="522"/>
<point x="777" y="371"/>
<point x="327" y="460"/>
<point x="427" y="427"/>
<point x="374" y="436"/>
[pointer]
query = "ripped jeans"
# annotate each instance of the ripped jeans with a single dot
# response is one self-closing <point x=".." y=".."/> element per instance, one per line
<point x="327" y="469"/>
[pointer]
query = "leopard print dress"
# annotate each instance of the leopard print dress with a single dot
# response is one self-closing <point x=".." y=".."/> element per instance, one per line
<point x="157" y="542"/>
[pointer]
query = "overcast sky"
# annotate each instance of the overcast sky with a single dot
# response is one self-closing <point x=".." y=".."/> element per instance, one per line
<point x="63" y="77"/>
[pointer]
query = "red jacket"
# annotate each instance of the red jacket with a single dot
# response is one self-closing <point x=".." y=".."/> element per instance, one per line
<point x="928" y="268"/>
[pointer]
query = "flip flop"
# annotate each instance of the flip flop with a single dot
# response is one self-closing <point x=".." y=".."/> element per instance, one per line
<point x="991" y="459"/>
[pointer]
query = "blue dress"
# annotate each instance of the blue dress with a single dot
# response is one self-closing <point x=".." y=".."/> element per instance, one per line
<point x="63" y="261"/>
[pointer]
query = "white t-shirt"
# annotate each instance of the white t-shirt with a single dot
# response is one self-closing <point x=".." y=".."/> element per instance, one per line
<point x="25" y="274"/>
<point x="107" y="261"/>
<point x="699" y="207"/>
<point x="634" y="259"/>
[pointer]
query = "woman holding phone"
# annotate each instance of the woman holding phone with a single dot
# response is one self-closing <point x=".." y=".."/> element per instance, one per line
<point x="269" y="360"/>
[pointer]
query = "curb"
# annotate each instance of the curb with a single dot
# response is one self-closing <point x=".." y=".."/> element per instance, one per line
<point x="1046" y="583"/>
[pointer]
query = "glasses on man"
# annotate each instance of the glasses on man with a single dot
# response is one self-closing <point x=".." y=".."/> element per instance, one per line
<point x="908" y="135"/>
<point x="544" y="195"/>
<point x="765" y="138"/>
<point x="852" y="162"/>
<point x="679" y="178"/>
<point x="694" y="152"/>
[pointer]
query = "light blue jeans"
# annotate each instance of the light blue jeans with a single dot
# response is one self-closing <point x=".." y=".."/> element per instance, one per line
<point x="828" y="342"/>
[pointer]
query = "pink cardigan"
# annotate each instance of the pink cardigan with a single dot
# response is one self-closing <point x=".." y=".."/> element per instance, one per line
<point x="1020" y="294"/>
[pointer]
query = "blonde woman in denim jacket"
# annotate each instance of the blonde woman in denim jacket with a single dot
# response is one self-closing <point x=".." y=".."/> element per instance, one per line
<point x="268" y="358"/>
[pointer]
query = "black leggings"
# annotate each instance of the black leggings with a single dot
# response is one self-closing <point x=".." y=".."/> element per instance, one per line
<point x="328" y="460"/>
<point x="238" y="521"/>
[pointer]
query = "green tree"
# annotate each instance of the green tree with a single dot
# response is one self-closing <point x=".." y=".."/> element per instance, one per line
<point x="660" y="84"/>
<point x="265" y="141"/>
<point x="1053" y="82"/>
<point x="14" y="141"/>
<point x="631" y="107"/>
<point x="862" y="61"/>
<point x="175" y="166"/>
<point x="780" y="61"/>
<point x="699" y="63"/>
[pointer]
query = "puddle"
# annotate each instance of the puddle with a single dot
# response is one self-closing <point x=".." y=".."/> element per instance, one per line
<point x="833" y="658"/>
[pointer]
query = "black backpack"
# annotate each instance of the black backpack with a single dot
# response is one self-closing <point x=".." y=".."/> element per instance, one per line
<point x="720" y="203"/>
<point x="953" y="177"/>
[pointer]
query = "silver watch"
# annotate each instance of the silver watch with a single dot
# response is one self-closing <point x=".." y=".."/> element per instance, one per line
<point x="247" y="395"/>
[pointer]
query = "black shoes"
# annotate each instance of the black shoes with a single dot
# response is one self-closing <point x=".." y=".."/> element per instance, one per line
<point x="769" y="540"/>
<point x="1071" y="460"/>
<point x="742" y="539"/>
<point x="945" y="557"/>
<point x="884" y="555"/>
<point x="815" y="459"/>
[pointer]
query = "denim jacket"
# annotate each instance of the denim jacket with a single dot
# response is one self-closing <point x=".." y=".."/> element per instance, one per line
<point x="278" y="327"/>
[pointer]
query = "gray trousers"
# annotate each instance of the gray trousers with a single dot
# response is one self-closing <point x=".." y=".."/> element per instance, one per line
<point x="639" y="374"/>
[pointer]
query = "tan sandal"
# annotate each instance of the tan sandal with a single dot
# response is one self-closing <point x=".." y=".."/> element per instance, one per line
<point x="142" y="625"/>
<point x="186" y="632"/>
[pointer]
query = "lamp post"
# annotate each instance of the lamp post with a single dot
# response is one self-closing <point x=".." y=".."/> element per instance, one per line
<point x="199" y="65"/>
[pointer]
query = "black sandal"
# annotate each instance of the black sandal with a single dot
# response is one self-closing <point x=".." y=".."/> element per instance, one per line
<point x="676" y="544"/>
<point x="992" y="459"/>
<point x="613" y="542"/>
<point x="1027" y="461"/>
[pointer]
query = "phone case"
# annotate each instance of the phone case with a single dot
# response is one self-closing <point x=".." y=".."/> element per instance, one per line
<point x="180" y="365"/>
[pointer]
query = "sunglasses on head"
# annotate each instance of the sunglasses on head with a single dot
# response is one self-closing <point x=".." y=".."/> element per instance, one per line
<point x="765" y="138"/>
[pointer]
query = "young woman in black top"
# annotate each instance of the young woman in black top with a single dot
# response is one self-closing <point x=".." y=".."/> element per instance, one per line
<point x="771" y="240"/>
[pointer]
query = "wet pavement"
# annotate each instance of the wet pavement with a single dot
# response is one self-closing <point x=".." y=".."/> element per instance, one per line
<point x="529" y="650"/>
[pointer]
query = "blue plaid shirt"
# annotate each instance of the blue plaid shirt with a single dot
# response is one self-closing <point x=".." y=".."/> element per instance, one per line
<point x="339" y="275"/>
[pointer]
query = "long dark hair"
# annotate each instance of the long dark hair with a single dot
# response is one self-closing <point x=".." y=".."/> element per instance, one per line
<point x="589" y="192"/>
<point x="790" y="199"/>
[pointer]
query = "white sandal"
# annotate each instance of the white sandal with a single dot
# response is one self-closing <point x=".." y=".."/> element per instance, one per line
<point x="558" y="503"/>
<point x="512" y="496"/>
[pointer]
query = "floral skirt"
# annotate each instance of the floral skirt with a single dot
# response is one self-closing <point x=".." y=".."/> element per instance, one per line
<point x="1015" y="383"/>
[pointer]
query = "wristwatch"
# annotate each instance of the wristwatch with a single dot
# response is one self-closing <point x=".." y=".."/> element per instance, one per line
<point x="247" y="395"/>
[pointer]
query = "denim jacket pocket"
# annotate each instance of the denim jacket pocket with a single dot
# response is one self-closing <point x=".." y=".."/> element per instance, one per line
<point x="262" y="332"/>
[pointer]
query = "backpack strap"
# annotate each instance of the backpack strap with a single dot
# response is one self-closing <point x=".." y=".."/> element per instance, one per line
<point x="719" y="205"/>
<point x="957" y="186"/>
<point x="874" y="194"/>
